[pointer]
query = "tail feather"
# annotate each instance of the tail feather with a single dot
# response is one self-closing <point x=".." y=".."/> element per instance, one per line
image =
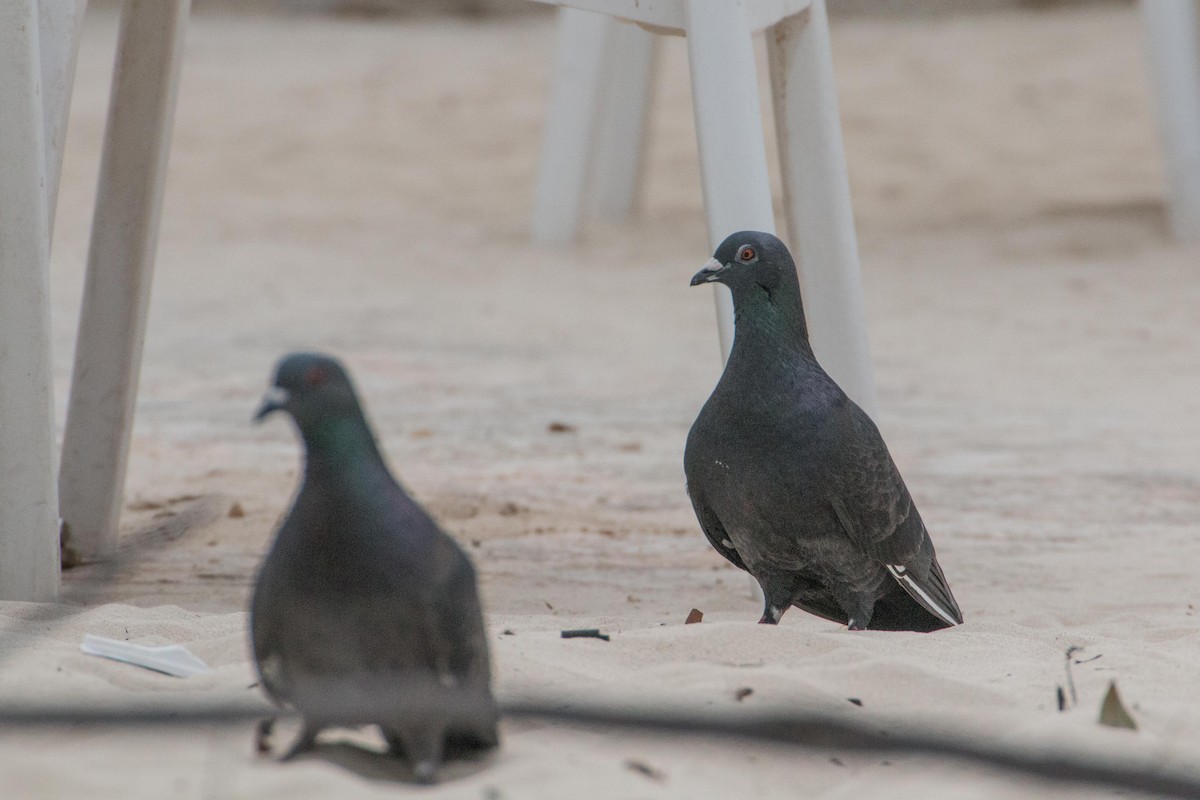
<point x="933" y="593"/>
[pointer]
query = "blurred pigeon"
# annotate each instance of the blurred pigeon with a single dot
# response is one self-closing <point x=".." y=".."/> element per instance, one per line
<point x="791" y="480"/>
<point x="364" y="611"/>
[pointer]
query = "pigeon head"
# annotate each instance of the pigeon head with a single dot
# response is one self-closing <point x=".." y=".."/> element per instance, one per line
<point x="749" y="260"/>
<point x="759" y="271"/>
<point x="311" y="387"/>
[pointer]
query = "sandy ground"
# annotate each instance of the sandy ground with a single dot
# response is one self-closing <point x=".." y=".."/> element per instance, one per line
<point x="364" y="187"/>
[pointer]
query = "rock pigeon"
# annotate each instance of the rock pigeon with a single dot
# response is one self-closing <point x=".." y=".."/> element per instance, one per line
<point x="791" y="481"/>
<point x="364" y="611"/>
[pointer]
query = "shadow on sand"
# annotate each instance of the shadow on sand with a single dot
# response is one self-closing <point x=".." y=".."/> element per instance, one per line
<point x="381" y="766"/>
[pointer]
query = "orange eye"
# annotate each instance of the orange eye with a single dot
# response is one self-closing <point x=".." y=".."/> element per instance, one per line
<point x="747" y="253"/>
<point x="315" y="377"/>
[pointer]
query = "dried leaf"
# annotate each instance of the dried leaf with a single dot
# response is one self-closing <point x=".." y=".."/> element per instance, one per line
<point x="1113" y="712"/>
<point x="694" y="616"/>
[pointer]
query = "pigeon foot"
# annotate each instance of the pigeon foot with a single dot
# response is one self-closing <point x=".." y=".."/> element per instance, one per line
<point x="305" y="742"/>
<point x="425" y="772"/>
<point x="262" y="736"/>
<point x="771" y="615"/>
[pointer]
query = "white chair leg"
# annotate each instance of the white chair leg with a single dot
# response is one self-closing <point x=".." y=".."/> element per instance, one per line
<point x="570" y="126"/>
<point x="627" y="77"/>
<point x="59" y="25"/>
<point x="29" y="568"/>
<point x="120" y="266"/>
<point x="729" y="132"/>
<point x="1172" y="33"/>
<point x="817" y="198"/>
<point x="729" y="135"/>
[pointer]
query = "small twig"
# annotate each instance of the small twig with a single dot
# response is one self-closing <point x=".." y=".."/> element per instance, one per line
<point x="585" y="633"/>
<point x="644" y="768"/>
<point x="1072" y="650"/>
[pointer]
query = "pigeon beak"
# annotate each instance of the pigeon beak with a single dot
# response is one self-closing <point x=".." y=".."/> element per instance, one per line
<point x="712" y="271"/>
<point x="275" y="399"/>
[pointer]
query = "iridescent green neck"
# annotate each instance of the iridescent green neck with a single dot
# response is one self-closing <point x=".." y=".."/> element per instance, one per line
<point x="769" y="321"/>
<point x="340" y="443"/>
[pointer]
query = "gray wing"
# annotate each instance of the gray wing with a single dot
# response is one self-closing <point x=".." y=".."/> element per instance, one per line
<point x="320" y="616"/>
<point x="713" y="529"/>
<point x="880" y="518"/>
<point x="457" y="618"/>
<point x="460" y="642"/>
<point x="265" y="615"/>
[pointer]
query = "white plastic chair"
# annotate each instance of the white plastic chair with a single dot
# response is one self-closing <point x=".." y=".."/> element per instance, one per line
<point x="592" y="145"/>
<point x="38" y="45"/>
<point x="32" y="105"/>
<point x="1172" y="34"/>
<point x="116" y="295"/>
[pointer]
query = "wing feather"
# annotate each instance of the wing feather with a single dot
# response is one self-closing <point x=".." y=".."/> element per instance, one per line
<point x="878" y="514"/>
